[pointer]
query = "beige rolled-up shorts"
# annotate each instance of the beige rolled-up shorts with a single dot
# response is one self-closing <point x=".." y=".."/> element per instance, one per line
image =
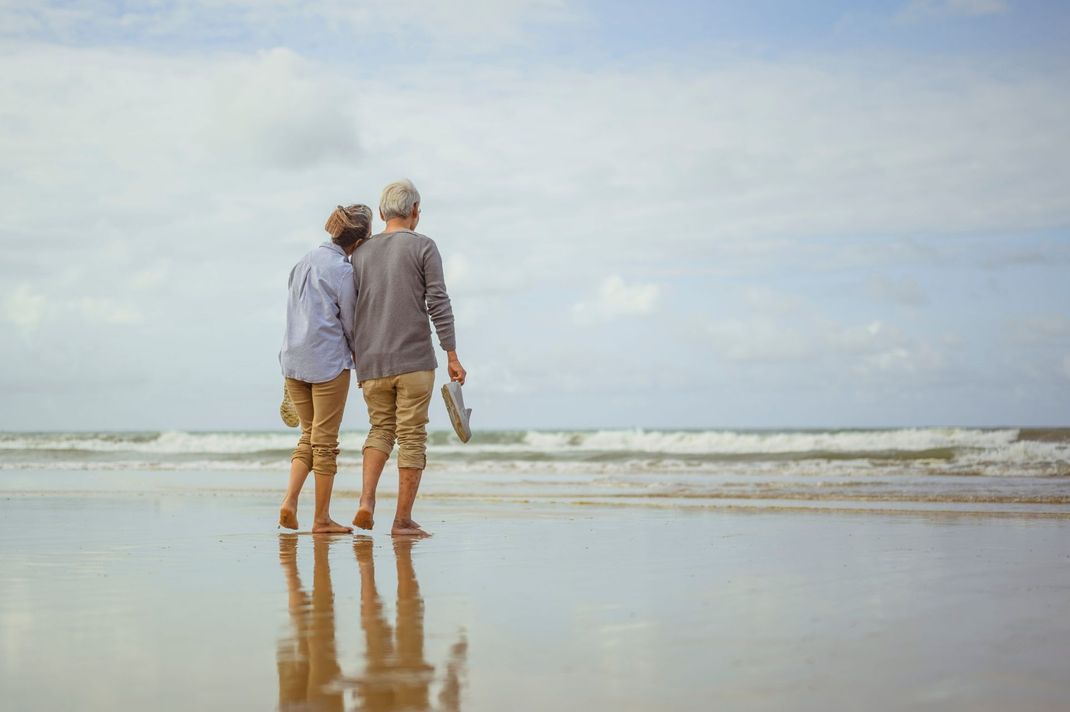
<point x="320" y="407"/>
<point x="397" y="410"/>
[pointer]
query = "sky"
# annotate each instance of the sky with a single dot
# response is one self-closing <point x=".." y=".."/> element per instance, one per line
<point x="678" y="214"/>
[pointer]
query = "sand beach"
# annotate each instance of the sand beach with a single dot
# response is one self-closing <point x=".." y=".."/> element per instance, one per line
<point x="173" y="590"/>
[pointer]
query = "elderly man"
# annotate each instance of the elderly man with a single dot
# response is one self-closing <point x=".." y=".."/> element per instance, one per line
<point x="398" y="276"/>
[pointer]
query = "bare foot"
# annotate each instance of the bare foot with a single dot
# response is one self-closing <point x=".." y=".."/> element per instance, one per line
<point x="330" y="526"/>
<point x="365" y="511"/>
<point x="407" y="527"/>
<point x="288" y="515"/>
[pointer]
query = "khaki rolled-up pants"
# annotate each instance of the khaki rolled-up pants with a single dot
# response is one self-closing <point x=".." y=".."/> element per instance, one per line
<point x="320" y="407"/>
<point x="397" y="409"/>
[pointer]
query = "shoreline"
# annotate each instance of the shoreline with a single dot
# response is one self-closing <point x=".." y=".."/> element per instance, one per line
<point x="906" y="508"/>
<point x="1045" y="500"/>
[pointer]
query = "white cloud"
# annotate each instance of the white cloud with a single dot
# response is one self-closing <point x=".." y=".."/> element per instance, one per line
<point x="750" y="156"/>
<point x="900" y="359"/>
<point x="187" y="186"/>
<point x="819" y="349"/>
<point x="759" y="341"/>
<point x="1066" y="366"/>
<point x="751" y="153"/>
<point x="29" y="310"/>
<point x="107" y="311"/>
<point x="615" y="299"/>
<point x="479" y="24"/>
<point x="276" y="111"/>
<point x="904" y="291"/>
<point x="482" y="275"/>
<point x="882" y="351"/>
<point x="458" y="271"/>
<point x="764" y="300"/>
<point x="149" y="278"/>
<point x="24" y="308"/>
<point x="1042" y="328"/>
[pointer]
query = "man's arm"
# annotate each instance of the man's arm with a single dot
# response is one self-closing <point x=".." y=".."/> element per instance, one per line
<point x="454" y="368"/>
<point x="347" y="307"/>
<point x="440" y="310"/>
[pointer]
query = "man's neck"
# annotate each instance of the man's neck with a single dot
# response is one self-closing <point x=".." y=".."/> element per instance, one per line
<point x="398" y="224"/>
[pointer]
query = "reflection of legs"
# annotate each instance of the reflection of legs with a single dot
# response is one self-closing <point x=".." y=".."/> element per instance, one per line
<point x="375" y="689"/>
<point x="449" y="697"/>
<point x="301" y="459"/>
<point x="328" y="400"/>
<point x="415" y="681"/>
<point x="413" y="397"/>
<point x="379" y="396"/>
<point x="292" y="653"/>
<point x="323" y="657"/>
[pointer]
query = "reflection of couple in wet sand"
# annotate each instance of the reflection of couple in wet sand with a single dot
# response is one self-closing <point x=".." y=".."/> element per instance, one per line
<point x="396" y="675"/>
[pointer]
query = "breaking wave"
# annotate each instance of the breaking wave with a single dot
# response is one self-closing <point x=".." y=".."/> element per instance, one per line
<point x="1006" y="452"/>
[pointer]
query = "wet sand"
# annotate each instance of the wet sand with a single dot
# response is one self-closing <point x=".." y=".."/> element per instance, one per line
<point x="176" y="598"/>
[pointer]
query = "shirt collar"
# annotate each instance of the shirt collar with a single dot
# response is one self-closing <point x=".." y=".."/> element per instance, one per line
<point x="331" y="246"/>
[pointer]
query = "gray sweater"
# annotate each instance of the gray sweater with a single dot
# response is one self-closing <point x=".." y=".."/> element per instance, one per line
<point x="398" y="276"/>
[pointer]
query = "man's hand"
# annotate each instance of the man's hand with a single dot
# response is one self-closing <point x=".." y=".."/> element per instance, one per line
<point x="455" y="369"/>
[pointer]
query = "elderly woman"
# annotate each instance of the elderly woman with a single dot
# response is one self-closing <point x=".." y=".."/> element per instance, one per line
<point x="317" y="356"/>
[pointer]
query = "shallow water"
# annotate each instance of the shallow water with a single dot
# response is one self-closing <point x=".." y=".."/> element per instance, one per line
<point x="832" y="489"/>
<point x="175" y="600"/>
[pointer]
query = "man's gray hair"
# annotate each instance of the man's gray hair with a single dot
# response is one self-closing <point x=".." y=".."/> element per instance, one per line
<point x="398" y="199"/>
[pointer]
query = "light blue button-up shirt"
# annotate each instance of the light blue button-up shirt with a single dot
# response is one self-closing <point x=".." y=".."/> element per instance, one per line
<point x="320" y="316"/>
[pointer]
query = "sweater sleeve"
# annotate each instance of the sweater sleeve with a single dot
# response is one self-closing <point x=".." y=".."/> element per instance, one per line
<point x="436" y="298"/>
<point x="347" y="306"/>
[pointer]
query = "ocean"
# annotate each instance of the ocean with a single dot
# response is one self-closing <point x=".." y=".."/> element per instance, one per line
<point x="1003" y="466"/>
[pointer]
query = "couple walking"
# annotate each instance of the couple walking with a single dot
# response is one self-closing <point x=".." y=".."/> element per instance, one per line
<point x="362" y="302"/>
